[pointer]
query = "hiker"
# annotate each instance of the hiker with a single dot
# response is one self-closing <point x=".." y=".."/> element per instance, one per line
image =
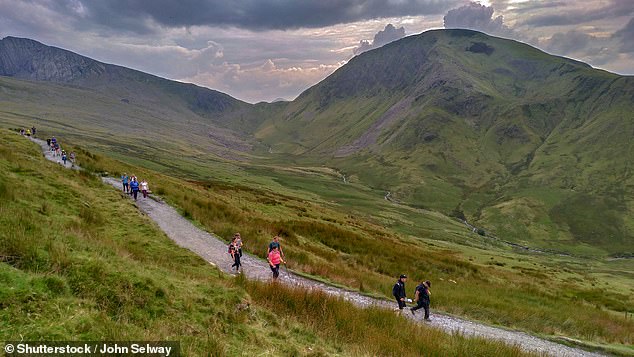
<point x="134" y="187"/>
<point x="22" y="131"/>
<point x="144" y="188"/>
<point x="53" y="141"/>
<point x="275" y="259"/>
<point x="233" y="250"/>
<point x="72" y="159"/>
<point x="422" y="298"/>
<point x="28" y="132"/>
<point x="238" y="239"/>
<point x="33" y="131"/>
<point x="48" y="143"/>
<point x="124" y="181"/>
<point x="64" y="158"/>
<point x="399" y="292"/>
<point x="276" y="244"/>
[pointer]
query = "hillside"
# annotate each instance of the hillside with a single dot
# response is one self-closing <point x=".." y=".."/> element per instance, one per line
<point x="111" y="99"/>
<point x="78" y="262"/>
<point x="532" y="147"/>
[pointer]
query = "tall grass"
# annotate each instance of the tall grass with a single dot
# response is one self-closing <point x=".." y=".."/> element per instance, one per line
<point x="371" y="331"/>
<point x="88" y="266"/>
<point x="349" y="250"/>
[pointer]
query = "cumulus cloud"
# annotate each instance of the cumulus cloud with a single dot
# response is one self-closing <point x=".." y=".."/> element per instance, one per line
<point x="266" y="81"/>
<point x="383" y="37"/>
<point x="477" y="17"/>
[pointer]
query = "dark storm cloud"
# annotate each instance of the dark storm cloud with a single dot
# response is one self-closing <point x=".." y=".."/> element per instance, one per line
<point x="476" y="17"/>
<point x="614" y="8"/>
<point x="626" y="37"/>
<point x="252" y="14"/>
<point x="383" y="37"/>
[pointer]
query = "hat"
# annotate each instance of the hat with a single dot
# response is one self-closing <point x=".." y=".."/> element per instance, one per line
<point x="403" y="276"/>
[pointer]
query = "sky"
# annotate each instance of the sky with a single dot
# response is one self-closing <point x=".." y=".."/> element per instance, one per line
<point x="263" y="50"/>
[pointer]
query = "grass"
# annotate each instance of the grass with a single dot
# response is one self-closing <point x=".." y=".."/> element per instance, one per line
<point x="79" y="262"/>
<point x="491" y="283"/>
<point x="371" y="331"/>
<point x="545" y="167"/>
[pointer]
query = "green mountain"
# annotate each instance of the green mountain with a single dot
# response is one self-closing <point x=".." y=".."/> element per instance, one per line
<point x="533" y="148"/>
<point x="69" y="89"/>
<point x="530" y="146"/>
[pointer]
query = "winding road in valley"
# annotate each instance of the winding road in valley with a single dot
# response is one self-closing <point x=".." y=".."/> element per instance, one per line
<point x="214" y="250"/>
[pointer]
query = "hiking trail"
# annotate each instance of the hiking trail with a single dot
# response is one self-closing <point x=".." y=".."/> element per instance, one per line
<point x="214" y="250"/>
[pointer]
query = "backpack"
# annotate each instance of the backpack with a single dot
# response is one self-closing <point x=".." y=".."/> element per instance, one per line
<point x="230" y="248"/>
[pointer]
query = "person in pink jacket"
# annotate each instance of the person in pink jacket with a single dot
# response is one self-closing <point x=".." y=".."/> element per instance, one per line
<point x="275" y="259"/>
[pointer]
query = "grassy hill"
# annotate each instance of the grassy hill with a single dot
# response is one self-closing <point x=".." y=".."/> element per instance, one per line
<point x="541" y="293"/>
<point x="531" y="147"/>
<point x="432" y="155"/>
<point x="118" y="100"/>
<point x="79" y="262"/>
<point x="516" y="140"/>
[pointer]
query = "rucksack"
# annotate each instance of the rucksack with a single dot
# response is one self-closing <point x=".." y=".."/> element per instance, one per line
<point x="230" y="248"/>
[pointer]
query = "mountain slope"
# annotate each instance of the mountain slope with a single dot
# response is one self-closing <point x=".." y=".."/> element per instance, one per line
<point x="31" y="60"/>
<point x="531" y="147"/>
<point x="78" y="92"/>
<point x="459" y="121"/>
<point x="27" y="59"/>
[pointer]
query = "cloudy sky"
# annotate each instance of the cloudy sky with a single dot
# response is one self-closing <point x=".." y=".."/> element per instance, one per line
<point x="260" y="50"/>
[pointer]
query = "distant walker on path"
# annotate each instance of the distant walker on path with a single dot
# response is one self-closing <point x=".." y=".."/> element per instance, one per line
<point x="238" y="243"/>
<point x="233" y="251"/>
<point x="399" y="292"/>
<point x="275" y="259"/>
<point x="276" y="244"/>
<point x="144" y="188"/>
<point x="422" y="298"/>
<point x="124" y="181"/>
<point x="134" y="187"/>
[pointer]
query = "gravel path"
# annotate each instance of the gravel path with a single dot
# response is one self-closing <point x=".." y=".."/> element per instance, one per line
<point x="214" y="250"/>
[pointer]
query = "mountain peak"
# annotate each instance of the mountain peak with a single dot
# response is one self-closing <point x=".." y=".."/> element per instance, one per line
<point x="29" y="59"/>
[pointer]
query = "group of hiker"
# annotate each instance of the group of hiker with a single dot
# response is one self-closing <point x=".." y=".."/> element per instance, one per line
<point x="421" y="296"/>
<point x="62" y="155"/>
<point x="28" y="132"/>
<point x="275" y="254"/>
<point x="132" y="186"/>
<point x="275" y="257"/>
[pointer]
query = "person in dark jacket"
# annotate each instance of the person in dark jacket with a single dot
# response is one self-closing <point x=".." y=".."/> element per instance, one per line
<point x="399" y="291"/>
<point x="422" y="298"/>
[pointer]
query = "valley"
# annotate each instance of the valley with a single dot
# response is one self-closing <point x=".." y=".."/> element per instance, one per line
<point x="533" y="150"/>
